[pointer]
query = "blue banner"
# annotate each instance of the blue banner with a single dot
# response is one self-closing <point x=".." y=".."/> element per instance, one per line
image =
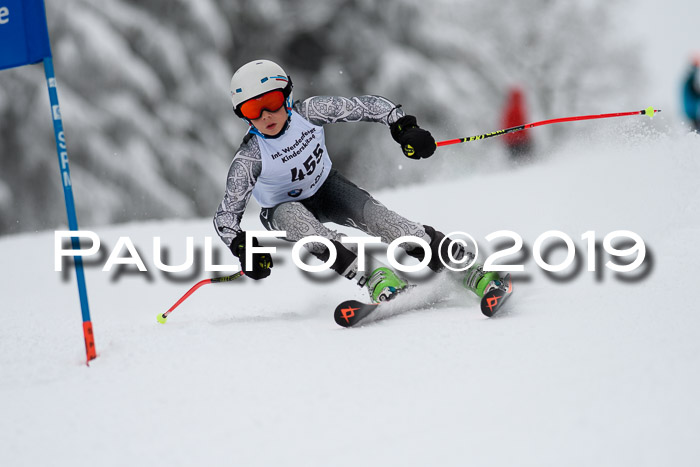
<point x="24" y="36"/>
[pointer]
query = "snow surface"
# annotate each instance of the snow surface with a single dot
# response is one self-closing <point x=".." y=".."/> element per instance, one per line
<point x="590" y="370"/>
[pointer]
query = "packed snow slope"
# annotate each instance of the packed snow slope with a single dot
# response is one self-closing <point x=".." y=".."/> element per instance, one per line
<point x="581" y="368"/>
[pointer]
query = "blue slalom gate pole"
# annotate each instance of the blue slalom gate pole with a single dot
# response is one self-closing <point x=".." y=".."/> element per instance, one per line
<point x="62" y="151"/>
<point x="24" y="40"/>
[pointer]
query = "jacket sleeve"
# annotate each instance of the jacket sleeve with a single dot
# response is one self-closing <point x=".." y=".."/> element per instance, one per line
<point x="321" y="110"/>
<point x="242" y="175"/>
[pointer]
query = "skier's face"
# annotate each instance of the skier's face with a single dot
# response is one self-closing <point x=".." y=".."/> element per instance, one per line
<point x="271" y="123"/>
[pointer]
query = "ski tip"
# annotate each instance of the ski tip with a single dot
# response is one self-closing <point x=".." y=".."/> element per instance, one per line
<point x="492" y="301"/>
<point x="350" y="312"/>
<point x="345" y="313"/>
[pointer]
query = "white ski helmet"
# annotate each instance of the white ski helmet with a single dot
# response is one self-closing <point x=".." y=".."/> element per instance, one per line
<point x="255" y="79"/>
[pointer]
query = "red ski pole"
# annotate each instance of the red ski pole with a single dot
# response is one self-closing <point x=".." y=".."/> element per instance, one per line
<point x="163" y="318"/>
<point x="650" y="111"/>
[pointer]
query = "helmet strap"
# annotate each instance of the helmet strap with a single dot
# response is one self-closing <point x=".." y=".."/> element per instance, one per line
<point x="288" y="105"/>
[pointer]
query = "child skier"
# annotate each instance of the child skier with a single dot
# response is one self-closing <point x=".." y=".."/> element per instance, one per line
<point x="283" y="162"/>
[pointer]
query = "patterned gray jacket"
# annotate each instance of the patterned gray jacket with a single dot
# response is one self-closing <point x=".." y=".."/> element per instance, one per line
<point x="247" y="163"/>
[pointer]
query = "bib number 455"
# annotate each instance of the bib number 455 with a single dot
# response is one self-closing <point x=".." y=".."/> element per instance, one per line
<point x="299" y="173"/>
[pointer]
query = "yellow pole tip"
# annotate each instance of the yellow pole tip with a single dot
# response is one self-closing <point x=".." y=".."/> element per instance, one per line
<point x="649" y="111"/>
<point x="161" y="319"/>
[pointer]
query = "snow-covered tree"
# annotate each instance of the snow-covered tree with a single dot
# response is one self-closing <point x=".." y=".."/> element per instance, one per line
<point x="144" y="91"/>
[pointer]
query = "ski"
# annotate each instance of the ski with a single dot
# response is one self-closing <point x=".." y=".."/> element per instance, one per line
<point x="493" y="300"/>
<point x="354" y="312"/>
<point x="351" y="313"/>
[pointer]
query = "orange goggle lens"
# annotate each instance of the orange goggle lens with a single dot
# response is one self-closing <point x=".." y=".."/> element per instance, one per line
<point x="272" y="101"/>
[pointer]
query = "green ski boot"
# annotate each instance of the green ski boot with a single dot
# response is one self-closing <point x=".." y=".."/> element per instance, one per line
<point x="383" y="285"/>
<point x="479" y="281"/>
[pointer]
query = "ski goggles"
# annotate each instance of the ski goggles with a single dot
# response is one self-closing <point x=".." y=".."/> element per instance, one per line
<point x="272" y="101"/>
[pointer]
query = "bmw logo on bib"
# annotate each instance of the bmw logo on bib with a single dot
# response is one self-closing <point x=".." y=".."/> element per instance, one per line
<point x="295" y="193"/>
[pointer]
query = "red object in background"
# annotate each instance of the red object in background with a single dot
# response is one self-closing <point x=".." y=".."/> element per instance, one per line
<point x="515" y="114"/>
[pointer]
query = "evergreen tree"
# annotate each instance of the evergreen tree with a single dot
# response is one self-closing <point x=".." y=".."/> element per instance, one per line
<point x="144" y="91"/>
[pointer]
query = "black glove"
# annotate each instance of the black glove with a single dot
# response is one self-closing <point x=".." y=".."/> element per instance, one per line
<point x="415" y="142"/>
<point x="262" y="262"/>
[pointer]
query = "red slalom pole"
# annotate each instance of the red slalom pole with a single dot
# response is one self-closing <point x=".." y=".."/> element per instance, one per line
<point x="650" y="111"/>
<point x="163" y="318"/>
